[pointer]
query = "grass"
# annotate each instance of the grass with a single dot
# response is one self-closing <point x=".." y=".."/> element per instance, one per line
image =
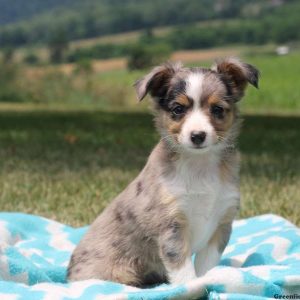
<point x="280" y="84"/>
<point x="112" y="89"/>
<point x="85" y="138"/>
<point x="69" y="165"/>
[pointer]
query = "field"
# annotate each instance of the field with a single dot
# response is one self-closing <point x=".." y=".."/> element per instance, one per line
<point x="128" y="37"/>
<point x="66" y="155"/>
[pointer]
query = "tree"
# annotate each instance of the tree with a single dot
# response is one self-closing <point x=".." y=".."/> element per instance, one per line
<point x="143" y="56"/>
<point x="31" y="59"/>
<point x="58" y="45"/>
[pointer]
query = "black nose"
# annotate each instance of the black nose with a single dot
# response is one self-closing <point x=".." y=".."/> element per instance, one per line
<point x="198" y="137"/>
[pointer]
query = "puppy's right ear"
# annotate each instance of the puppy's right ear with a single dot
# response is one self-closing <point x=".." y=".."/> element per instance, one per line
<point x="157" y="82"/>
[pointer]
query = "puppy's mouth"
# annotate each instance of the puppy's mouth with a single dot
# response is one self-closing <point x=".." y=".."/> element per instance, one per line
<point x="197" y="149"/>
<point x="203" y="148"/>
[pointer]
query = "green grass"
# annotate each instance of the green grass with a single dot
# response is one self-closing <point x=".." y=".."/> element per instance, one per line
<point x="279" y="86"/>
<point x="68" y="154"/>
<point x="69" y="165"/>
<point x="112" y="90"/>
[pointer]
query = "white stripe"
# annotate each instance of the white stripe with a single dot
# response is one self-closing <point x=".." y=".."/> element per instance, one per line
<point x="194" y="87"/>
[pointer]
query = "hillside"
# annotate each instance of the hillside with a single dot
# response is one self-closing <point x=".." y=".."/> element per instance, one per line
<point x="19" y="10"/>
<point x="31" y="22"/>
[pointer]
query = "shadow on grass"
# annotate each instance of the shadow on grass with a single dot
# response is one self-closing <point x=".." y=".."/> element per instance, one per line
<point x="270" y="146"/>
<point x="52" y="141"/>
<point x="274" y="134"/>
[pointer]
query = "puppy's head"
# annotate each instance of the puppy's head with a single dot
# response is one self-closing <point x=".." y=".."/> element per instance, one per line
<point x="196" y="107"/>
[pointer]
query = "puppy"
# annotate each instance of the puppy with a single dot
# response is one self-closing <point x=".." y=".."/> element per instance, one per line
<point x="187" y="195"/>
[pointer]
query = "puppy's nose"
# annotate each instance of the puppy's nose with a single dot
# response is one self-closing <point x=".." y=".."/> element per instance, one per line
<point x="198" y="137"/>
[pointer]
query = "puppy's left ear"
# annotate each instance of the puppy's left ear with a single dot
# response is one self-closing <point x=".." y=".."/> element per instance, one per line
<point x="156" y="83"/>
<point x="236" y="75"/>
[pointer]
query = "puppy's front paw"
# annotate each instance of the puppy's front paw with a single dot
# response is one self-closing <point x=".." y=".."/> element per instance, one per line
<point x="181" y="278"/>
<point x="184" y="274"/>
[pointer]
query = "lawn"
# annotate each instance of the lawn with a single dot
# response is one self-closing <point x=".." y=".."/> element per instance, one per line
<point x="69" y="165"/>
<point x="67" y="162"/>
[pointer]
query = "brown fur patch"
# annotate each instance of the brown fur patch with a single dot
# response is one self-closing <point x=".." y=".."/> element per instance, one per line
<point x="157" y="81"/>
<point x="221" y="125"/>
<point x="237" y="75"/>
<point x="183" y="100"/>
<point x="160" y="82"/>
<point x="172" y="125"/>
<point x="217" y="100"/>
<point x="234" y="74"/>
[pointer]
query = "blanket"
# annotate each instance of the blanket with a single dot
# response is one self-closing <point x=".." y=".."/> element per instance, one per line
<point x="261" y="261"/>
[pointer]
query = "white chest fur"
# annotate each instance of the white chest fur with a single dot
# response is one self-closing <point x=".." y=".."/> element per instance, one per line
<point x="202" y="195"/>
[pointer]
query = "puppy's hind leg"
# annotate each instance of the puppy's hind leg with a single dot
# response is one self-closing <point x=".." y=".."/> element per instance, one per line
<point x="174" y="246"/>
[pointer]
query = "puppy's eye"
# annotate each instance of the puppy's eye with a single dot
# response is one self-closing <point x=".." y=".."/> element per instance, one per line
<point x="178" y="110"/>
<point x="217" y="111"/>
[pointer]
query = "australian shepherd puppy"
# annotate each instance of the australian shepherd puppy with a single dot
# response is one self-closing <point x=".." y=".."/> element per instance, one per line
<point x="187" y="195"/>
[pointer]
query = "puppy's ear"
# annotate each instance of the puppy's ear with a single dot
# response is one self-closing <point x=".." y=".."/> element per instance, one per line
<point x="236" y="74"/>
<point x="157" y="82"/>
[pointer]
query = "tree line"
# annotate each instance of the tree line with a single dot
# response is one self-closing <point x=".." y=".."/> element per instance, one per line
<point x="277" y="27"/>
<point x="91" y="18"/>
